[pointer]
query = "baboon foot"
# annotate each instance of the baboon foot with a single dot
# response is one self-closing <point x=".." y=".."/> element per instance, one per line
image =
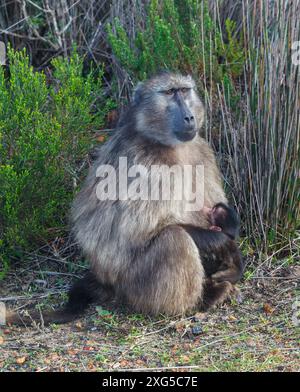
<point x="215" y="293"/>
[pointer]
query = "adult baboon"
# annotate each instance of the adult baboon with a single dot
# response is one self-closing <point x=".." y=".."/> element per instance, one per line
<point x="147" y="252"/>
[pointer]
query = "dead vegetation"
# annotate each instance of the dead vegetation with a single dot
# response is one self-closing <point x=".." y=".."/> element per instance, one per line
<point x="256" y="331"/>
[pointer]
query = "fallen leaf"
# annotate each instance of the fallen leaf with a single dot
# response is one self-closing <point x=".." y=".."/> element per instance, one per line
<point x="88" y="348"/>
<point x="268" y="308"/>
<point x="185" y="358"/>
<point x="1" y="340"/>
<point x="72" y="352"/>
<point x="124" y="363"/>
<point x="101" y="138"/>
<point x="199" y="316"/>
<point x="181" y="326"/>
<point x="175" y="348"/>
<point x="91" y="366"/>
<point x="21" y="360"/>
<point x="79" y="325"/>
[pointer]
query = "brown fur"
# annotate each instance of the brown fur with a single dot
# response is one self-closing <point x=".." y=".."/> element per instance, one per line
<point x="138" y="249"/>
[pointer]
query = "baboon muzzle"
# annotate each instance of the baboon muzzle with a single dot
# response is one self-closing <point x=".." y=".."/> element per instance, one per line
<point x="188" y="131"/>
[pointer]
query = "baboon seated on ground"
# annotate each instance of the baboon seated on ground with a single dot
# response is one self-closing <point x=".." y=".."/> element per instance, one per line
<point x="158" y="254"/>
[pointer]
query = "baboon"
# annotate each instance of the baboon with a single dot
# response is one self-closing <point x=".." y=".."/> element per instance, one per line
<point x="218" y="250"/>
<point x="154" y="255"/>
<point x="224" y="218"/>
<point x="220" y="257"/>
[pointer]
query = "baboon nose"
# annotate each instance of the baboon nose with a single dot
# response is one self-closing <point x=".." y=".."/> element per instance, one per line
<point x="189" y="120"/>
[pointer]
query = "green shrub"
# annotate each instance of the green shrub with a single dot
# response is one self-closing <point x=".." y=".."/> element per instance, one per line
<point x="45" y="130"/>
<point x="178" y="35"/>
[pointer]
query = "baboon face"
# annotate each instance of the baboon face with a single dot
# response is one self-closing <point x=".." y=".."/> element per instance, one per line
<point x="168" y="108"/>
<point x="224" y="217"/>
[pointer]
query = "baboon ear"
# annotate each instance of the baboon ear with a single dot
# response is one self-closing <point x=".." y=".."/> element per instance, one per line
<point x="137" y="93"/>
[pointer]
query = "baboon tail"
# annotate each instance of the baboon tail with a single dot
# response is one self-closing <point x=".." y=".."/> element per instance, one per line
<point x="83" y="292"/>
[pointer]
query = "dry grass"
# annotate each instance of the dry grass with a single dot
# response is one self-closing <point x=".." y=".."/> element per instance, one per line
<point x="253" y="332"/>
<point x="258" y="137"/>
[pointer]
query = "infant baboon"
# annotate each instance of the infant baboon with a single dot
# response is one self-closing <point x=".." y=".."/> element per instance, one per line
<point x="224" y="218"/>
<point x="217" y="252"/>
<point x="154" y="254"/>
<point x="220" y="257"/>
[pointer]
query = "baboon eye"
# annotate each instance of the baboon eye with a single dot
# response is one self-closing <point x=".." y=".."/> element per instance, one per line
<point x="171" y="91"/>
<point x="184" y="90"/>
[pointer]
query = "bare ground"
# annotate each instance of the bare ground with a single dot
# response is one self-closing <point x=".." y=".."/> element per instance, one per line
<point x="256" y="332"/>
